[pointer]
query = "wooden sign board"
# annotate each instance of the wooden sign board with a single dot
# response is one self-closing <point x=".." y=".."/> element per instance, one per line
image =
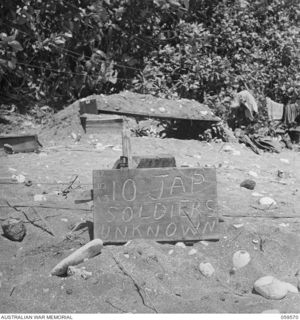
<point x="164" y="204"/>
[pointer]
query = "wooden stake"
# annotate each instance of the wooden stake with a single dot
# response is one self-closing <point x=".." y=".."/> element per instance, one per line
<point x="126" y="144"/>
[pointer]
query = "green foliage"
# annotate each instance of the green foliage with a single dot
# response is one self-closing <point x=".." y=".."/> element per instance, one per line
<point x="56" y="51"/>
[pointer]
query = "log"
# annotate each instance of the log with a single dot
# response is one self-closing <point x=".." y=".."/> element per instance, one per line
<point x="88" y="251"/>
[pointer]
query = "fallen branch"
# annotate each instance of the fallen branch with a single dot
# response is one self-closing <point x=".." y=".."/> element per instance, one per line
<point x="69" y="187"/>
<point x="29" y="220"/>
<point x="138" y="287"/>
<point x="44" y="220"/>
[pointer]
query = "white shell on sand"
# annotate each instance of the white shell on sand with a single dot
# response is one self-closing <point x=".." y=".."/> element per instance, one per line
<point x="206" y="269"/>
<point x="267" y="201"/>
<point x="240" y="259"/>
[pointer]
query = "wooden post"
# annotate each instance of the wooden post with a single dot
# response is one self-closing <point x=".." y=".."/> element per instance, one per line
<point x="126" y="146"/>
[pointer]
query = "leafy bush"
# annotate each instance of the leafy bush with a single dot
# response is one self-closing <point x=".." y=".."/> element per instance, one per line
<point x="57" y="51"/>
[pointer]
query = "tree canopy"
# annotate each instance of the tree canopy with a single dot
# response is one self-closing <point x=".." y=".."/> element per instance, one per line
<point x="54" y="52"/>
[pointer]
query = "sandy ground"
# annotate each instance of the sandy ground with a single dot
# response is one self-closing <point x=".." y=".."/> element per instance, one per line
<point x="168" y="276"/>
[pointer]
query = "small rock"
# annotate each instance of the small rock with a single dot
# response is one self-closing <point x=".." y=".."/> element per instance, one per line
<point x="12" y="169"/>
<point x="271" y="311"/>
<point x="255" y="241"/>
<point x="228" y="149"/>
<point x="284" y="225"/>
<point x="170" y="252"/>
<point x="14" y="229"/>
<point x="78" y="272"/>
<point x="256" y="194"/>
<point x="248" y="184"/>
<point x="126" y="255"/>
<point x="69" y="291"/>
<point x="64" y="219"/>
<point x="253" y="174"/>
<point x="285" y="161"/>
<point x="240" y="259"/>
<point x="46" y="290"/>
<point x="192" y="252"/>
<point x="180" y="245"/>
<point x="8" y="148"/>
<point x="267" y="201"/>
<point x="162" y="109"/>
<point x="237" y="226"/>
<point x="39" y="197"/>
<point x="206" y="269"/>
<point x="272" y="288"/>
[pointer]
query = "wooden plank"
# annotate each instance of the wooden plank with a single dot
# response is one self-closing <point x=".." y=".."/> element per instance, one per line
<point x="101" y="123"/>
<point x="21" y="143"/>
<point x="165" y="204"/>
<point x="148" y="161"/>
<point x="159" y="161"/>
<point x="88" y="106"/>
<point x="143" y="105"/>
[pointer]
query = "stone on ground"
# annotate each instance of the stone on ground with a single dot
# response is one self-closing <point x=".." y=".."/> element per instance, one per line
<point x="14" y="229"/>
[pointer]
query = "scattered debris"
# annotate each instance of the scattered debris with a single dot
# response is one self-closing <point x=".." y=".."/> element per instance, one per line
<point x="20" y="143"/>
<point x="14" y="229"/>
<point x="19" y="178"/>
<point x="206" y="269"/>
<point x="267" y="202"/>
<point x="272" y="288"/>
<point x="205" y="243"/>
<point x="28" y="183"/>
<point x="76" y="137"/>
<point x="69" y="187"/>
<point x="240" y="259"/>
<point x="39" y="198"/>
<point x="88" y="251"/>
<point x="248" y="184"/>
<point x="79" y="272"/>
